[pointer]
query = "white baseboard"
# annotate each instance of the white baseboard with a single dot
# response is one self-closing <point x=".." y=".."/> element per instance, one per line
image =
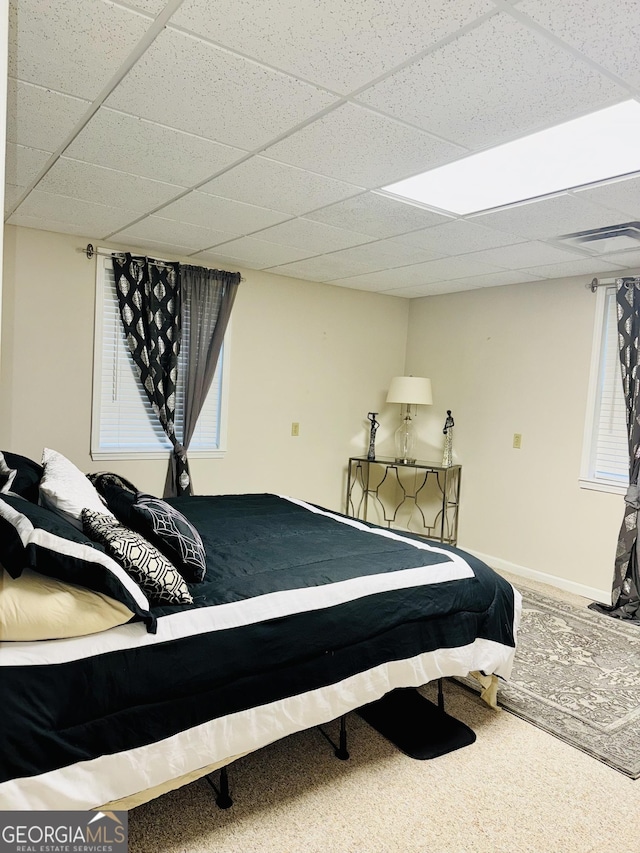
<point x="603" y="596"/>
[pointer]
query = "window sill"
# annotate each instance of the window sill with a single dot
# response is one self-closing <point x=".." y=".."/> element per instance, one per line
<point x="603" y="486"/>
<point x="115" y="455"/>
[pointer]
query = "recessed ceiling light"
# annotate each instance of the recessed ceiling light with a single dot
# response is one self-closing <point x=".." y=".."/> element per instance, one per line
<point x="593" y="148"/>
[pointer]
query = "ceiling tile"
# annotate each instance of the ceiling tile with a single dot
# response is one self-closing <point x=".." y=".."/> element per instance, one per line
<point x="522" y="255"/>
<point x="75" y="47"/>
<point x="161" y="230"/>
<point x="313" y="236"/>
<point x="376" y="281"/>
<point x="377" y="215"/>
<point x="487" y="74"/>
<point x="57" y="225"/>
<point x="257" y="254"/>
<point x="384" y="254"/>
<point x="586" y="266"/>
<point x="332" y="145"/>
<point x="142" y="147"/>
<point x="626" y="260"/>
<point x="40" y="118"/>
<point x="152" y="7"/>
<point x="221" y="213"/>
<point x="12" y="193"/>
<point x="458" y="236"/>
<point x="187" y="84"/>
<point x="446" y="269"/>
<point x="606" y="32"/>
<point x="622" y="195"/>
<point x="548" y="218"/>
<point x="152" y="247"/>
<point x="94" y="218"/>
<point x="311" y="269"/>
<point x="334" y="44"/>
<point x="84" y="180"/>
<point x="435" y="289"/>
<point x="23" y="164"/>
<point x="275" y="185"/>
<point x="498" y="279"/>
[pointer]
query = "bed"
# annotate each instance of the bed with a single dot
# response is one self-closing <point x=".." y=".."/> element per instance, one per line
<point x="294" y="615"/>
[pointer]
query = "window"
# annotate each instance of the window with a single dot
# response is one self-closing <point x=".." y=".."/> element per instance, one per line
<point x="123" y="422"/>
<point x="605" y="463"/>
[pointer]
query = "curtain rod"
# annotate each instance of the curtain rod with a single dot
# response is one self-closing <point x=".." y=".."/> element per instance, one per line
<point x="606" y="282"/>
<point x="90" y="251"/>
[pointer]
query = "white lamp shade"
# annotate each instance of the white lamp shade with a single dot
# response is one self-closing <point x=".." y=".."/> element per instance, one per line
<point x="410" y="390"/>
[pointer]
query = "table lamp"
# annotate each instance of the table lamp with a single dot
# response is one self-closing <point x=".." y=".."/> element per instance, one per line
<point x="408" y="391"/>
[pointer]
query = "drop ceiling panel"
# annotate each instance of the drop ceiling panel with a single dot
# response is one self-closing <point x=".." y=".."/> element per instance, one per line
<point x="142" y="147"/>
<point x="315" y="237"/>
<point x="581" y="267"/>
<point x="495" y="99"/>
<point x="606" y="32"/>
<point x="335" y="44"/>
<point x="95" y="183"/>
<point x="193" y="86"/>
<point x="40" y="118"/>
<point x="257" y="254"/>
<point x="275" y="185"/>
<point x="221" y="213"/>
<point x="458" y="236"/>
<point x="256" y="131"/>
<point x="622" y="196"/>
<point x="93" y="218"/>
<point x="549" y="218"/>
<point x="377" y="215"/>
<point x="332" y="145"/>
<point x="73" y="46"/>
<point x="520" y="255"/>
<point x="12" y="193"/>
<point x="624" y="259"/>
<point x="162" y="230"/>
<point x="498" y="279"/>
<point x="23" y="164"/>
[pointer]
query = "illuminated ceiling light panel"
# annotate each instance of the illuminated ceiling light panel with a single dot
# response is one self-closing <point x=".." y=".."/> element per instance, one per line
<point x="593" y="148"/>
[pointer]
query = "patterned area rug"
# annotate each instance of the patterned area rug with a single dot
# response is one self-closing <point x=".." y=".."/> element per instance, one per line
<point x="577" y="675"/>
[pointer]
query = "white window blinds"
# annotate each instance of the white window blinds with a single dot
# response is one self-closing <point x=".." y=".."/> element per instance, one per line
<point x="124" y="423"/>
<point x="608" y="452"/>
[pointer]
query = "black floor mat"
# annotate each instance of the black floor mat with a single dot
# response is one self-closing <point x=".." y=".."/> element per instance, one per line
<point x="415" y="725"/>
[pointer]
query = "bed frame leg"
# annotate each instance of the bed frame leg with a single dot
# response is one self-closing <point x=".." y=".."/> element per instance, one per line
<point x="342" y="752"/>
<point x="340" y="749"/>
<point x="440" y="695"/>
<point x="223" y="799"/>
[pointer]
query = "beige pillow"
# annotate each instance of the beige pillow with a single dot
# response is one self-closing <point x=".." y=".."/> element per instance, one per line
<point x="36" y="607"/>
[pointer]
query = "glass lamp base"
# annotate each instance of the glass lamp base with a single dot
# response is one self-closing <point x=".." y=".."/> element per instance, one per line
<point x="405" y="441"/>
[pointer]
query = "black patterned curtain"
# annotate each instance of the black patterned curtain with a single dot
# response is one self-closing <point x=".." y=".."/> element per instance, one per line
<point x="207" y="300"/>
<point x="149" y="298"/>
<point x="625" y="602"/>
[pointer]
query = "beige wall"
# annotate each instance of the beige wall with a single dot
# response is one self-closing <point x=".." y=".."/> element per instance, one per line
<point x="505" y="360"/>
<point x="300" y="351"/>
<point x="516" y="360"/>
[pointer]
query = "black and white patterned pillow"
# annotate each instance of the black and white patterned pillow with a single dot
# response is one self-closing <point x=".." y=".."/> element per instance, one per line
<point x="157" y="577"/>
<point x="172" y="533"/>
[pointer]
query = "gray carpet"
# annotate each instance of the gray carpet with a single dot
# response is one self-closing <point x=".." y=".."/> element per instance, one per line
<point x="577" y="676"/>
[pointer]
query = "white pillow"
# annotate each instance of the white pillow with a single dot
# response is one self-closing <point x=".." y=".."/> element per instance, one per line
<point x="65" y="489"/>
<point x="7" y="475"/>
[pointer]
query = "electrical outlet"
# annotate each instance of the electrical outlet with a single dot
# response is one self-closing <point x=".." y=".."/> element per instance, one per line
<point x="295" y="428"/>
<point x="517" y="440"/>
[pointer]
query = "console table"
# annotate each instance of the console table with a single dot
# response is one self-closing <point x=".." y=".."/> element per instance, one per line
<point x="420" y="493"/>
